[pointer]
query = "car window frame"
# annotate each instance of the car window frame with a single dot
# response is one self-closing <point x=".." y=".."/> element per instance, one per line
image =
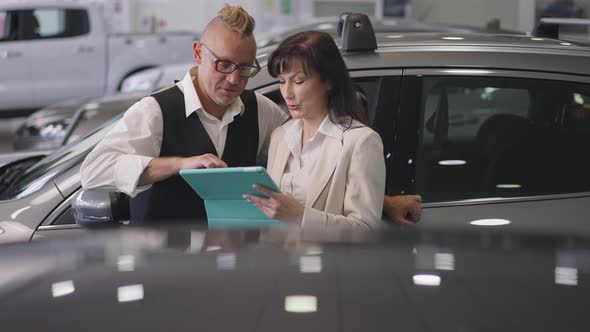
<point x="409" y="124"/>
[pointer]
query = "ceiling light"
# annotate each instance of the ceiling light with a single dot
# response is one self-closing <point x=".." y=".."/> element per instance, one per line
<point x="126" y="263"/>
<point x="313" y="250"/>
<point x="310" y="264"/>
<point x="226" y="261"/>
<point x="213" y="248"/>
<point x="17" y="212"/>
<point x="490" y="222"/>
<point x="467" y="71"/>
<point x="62" y="288"/>
<point x="444" y="261"/>
<point x="453" y="38"/>
<point x="508" y="186"/>
<point x="91" y="106"/>
<point x="301" y="303"/>
<point x="325" y="26"/>
<point x="130" y="293"/>
<point x="566" y="276"/>
<point x="452" y="162"/>
<point x="426" y="280"/>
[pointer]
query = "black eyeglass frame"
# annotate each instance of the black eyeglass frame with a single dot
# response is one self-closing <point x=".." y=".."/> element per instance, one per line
<point x="251" y="69"/>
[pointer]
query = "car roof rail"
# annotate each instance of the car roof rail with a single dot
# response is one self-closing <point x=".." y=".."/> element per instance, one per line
<point x="548" y="27"/>
<point x="356" y="33"/>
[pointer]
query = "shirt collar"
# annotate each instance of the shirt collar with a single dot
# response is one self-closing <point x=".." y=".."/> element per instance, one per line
<point x="330" y="129"/>
<point x="293" y="130"/>
<point x="192" y="103"/>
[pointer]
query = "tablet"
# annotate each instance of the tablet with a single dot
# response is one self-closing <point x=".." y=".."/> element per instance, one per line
<point x="222" y="190"/>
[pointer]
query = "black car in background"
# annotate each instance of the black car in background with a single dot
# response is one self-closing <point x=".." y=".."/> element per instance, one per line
<point x="492" y="130"/>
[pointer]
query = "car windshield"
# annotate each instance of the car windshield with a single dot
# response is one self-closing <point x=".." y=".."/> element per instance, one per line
<point x="34" y="177"/>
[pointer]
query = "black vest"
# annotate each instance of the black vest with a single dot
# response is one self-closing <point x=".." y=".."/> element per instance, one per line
<point x="173" y="200"/>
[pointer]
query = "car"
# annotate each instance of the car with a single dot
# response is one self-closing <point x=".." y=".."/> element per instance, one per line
<point x="189" y="279"/>
<point x="57" y="125"/>
<point x="491" y="130"/>
<point x="86" y="58"/>
<point x="149" y="79"/>
<point x="54" y="126"/>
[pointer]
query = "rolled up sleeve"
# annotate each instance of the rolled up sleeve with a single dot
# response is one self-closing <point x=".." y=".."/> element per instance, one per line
<point x="118" y="161"/>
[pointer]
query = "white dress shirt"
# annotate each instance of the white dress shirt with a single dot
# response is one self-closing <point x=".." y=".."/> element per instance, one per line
<point x="296" y="177"/>
<point x="118" y="161"/>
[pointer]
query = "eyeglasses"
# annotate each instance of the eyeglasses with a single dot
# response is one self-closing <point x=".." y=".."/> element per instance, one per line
<point x="228" y="67"/>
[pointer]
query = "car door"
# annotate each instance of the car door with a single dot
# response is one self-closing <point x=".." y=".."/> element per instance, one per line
<point x="16" y="89"/>
<point x="70" y="62"/>
<point x="503" y="148"/>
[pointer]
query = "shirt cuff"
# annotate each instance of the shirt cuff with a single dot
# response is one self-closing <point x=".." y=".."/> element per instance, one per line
<point x="128" y="169"/>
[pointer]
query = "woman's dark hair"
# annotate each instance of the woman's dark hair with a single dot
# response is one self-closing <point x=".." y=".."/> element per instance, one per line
<point x="318" y="52"/>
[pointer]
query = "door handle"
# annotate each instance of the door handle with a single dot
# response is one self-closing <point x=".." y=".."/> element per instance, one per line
<point x="84" y="49"/>
<point x="10" y="54"/>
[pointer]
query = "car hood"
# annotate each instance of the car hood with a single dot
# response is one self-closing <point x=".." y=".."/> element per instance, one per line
<point x="185" y="279"/>
<point x="67" y="109"/>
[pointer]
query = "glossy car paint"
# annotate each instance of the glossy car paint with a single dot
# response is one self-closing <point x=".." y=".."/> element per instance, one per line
<point x="285" y="280"/>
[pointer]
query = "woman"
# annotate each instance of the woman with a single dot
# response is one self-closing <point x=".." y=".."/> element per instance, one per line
<point x="328" y="164"/>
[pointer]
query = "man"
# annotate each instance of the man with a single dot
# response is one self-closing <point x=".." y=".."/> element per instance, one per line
<point x="206" y="115"/>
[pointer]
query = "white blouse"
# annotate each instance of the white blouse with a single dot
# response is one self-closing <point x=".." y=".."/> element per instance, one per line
<point x="297" y="175"/>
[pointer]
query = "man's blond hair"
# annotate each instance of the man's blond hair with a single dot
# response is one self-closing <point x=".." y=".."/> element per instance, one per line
<point x="237" y="19"/>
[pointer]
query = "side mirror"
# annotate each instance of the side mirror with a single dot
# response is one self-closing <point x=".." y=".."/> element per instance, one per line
<point x="98" y="208"/>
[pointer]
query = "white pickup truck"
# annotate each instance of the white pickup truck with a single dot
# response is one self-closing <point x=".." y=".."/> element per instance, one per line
<point x="52" y="50"/>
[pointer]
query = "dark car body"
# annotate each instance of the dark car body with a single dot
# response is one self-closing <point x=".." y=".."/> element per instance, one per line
<point x="492" y="131"/>
<point x="285" y="280"/>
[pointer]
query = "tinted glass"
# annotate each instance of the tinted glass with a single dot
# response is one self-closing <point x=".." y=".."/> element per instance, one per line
<point x="66" y="218"/>
<point x="502" y="137"/>
<point x="8" y="25"/>
<point x="54" y="23"/>
<point x="4" y="31"/>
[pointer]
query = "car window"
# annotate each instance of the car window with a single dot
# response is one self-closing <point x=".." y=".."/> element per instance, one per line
<point x="502" y="137"/>
<point x="53" y="23"/>
<point x="65" y="218"/>
<point x="4" y="28"/>
<point x="8" y="25"/>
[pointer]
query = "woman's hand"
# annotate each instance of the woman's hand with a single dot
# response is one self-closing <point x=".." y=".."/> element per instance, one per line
<point x="279" y="206"/>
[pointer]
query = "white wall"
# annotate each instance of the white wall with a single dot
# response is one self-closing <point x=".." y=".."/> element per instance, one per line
<point x="194" y="14"/>
<point x="513" y="14"/>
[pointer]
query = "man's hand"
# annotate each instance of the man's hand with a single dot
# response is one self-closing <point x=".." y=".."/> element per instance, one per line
<point x="203" y="161"/>
<point x="403" y="209"/>
<point x="162" y="168"/>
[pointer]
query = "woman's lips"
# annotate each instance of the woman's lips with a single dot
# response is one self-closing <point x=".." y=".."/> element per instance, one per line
<point x="293" y="107"/>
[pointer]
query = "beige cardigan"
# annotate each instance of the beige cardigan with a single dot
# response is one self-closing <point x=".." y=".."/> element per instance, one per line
<point x="348" y="181"/>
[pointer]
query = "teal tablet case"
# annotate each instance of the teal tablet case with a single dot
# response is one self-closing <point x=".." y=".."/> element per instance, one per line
<point x="222" y="190"/>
